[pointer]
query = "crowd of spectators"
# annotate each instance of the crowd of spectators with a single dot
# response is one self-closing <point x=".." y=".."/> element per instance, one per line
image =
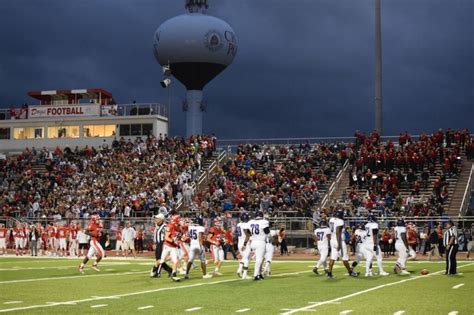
<point x="277" y="180"/>
<point x="380" y="172"/>
<point x="129" y="178"/>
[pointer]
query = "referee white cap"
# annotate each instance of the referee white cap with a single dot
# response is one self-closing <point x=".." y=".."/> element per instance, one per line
<point x="160" y="216"/>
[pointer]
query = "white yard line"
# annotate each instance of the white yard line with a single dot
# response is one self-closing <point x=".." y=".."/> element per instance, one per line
<point x="458" y="286"/>
<point x="99" y="305"/>
<point x="453" y="313"/>
<point x="243" y="310"/>
<point x="399" y="312"/>
<point x="145" y="307"/>
<point x="309" y="307"/>
<point x="13" y="302"/>
<point x="72" y="277"/>
<point x="345" y="312"/>
<point x="193" y="309"/>
<point x="143" y="292"/>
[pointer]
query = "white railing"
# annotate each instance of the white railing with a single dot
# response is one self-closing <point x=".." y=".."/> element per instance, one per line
<point x="204" y="175"/>
<point x="332" y="188"/>
<point x="467" y="193"/>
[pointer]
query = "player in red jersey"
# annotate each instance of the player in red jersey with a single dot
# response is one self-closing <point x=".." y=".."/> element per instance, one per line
<point x="18" y="237"/>
<point x="72" y="236"/>
<point x="183" y="243"/>
<point x="3" y="238"/>
<point x="170" y="247"/>
<point x="52" y="242"/>
<point x="215" y="237"/>
<point x="95" y="248"/>
<point x="25" y="234"/>
<point x="119" y="241"/>
<point x="62" y="237"/>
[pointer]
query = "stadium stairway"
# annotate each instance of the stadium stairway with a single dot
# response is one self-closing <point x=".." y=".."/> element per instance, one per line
<point x="459" y="189"/>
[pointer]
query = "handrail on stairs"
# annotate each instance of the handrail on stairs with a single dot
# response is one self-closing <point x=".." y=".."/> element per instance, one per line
<point x="467" y="193"/>
<point x="332" y="188"/>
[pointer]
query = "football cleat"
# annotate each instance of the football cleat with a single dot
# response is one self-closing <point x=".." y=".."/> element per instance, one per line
<point x="246" y="278"/>
<point x="315" y="270"/>
<point x="207" y="276"/>
<point x="384" y="274"/>
<point x="176" y="279"/>
<point x="186" y="277"/>
<point x="330" y="276"/>
<point x="367" y="275"/>
<point x="354" y="274"/>
<point x="81" y="269"/>
<point x="217" y="273"/>
<point x="404" y="273"/>
<point x="94" y="267"/>
<point x="261" y="277"/>
<point x="396" y="269"/>
<point x="256" y="278"/>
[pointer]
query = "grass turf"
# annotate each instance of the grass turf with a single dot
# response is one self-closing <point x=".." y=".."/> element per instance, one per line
<point x="41" y="285"/>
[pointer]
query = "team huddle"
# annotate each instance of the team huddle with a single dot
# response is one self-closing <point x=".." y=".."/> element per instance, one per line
<point x="331" y="243"/>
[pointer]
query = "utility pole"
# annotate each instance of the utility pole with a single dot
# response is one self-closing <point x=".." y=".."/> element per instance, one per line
<point x="378" y="69"/>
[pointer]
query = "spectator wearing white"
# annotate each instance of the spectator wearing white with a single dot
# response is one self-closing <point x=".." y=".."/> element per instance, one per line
<point x="128" y="236"/>
<point x="82" y="239"/>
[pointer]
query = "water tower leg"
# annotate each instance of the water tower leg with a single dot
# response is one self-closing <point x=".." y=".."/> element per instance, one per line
<point x="194" y="112"/>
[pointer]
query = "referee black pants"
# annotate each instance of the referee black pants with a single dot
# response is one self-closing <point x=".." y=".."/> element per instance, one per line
<point x="451" y="264"/>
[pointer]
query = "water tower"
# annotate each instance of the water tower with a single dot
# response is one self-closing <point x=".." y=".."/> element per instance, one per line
<point x="197" y="47"/>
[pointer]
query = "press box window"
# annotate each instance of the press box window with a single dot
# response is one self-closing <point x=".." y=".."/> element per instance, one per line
<point x="4" y="133"/>
<point x="28" y="133"/>
<point x="125" y="130"/>
<point x="63" y="132"/>
<point x="147" y="129"/>
<point x="99" y="130"/>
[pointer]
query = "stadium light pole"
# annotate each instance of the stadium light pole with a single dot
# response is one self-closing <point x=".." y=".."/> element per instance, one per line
<point x="378" y="69"/>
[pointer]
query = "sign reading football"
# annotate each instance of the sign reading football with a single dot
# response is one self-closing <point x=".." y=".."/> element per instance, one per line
<point x="44" y="111"/>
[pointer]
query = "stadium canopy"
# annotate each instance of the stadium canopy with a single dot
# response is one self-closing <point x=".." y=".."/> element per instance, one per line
<point x="71" y="96"/>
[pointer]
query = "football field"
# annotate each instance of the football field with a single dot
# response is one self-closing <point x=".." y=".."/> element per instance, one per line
<point x="47" y="285"/>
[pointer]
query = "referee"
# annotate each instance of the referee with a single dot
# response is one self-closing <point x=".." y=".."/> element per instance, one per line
<point x="158" y="238"/>
<point x="450" y="240"/>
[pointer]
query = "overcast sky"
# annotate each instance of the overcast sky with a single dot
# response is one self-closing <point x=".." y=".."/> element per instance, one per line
<point x="305" y="68"/>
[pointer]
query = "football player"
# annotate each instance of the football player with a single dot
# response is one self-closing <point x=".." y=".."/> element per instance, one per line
<point x="3" y="238"/>
<point x="360" y="234"/>
<point x="257" y="231"/>
<point x="322" y="235"/>
<point x="269" y="249"/>
<point x="372" y="247"/>
<point x="196" y="248"/>
<point x="170" y="247"/>
<point x="242" y="226"/>
<point x="401" y="246"/>
<point x="216" y="238"/>
<point x="95" y="249"/>
<point x="338" y="244"/>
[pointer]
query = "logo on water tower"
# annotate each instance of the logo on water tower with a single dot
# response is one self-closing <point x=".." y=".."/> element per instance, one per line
<point x="213" y="40"/>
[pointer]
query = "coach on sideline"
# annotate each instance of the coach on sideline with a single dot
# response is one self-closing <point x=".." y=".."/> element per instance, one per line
<point x="158" y="239"/>
<point x="451" y="243"/>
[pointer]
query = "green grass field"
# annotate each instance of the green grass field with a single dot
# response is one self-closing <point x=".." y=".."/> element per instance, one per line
<point x="34" y="285"/>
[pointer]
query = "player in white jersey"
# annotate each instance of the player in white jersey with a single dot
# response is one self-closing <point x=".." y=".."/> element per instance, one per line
<point x="322" y="235"/>
<point x="244" y="250"/>
<point x="196" y="249"/>
<point x="338" y="244"/>
<point x="372" y="247"/>
<point x="269" y="249"/>
<point x="257" y="230"/>
<point x="401" y="246"/>
<point x="359" y="235"/>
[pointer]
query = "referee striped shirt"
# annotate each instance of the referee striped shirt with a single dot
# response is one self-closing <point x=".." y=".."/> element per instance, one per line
<point x="159" y="236"/>
<point x="452" y="231"/>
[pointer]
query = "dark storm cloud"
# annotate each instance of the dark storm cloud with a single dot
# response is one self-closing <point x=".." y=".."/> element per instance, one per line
<point x="304" y="67"/>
